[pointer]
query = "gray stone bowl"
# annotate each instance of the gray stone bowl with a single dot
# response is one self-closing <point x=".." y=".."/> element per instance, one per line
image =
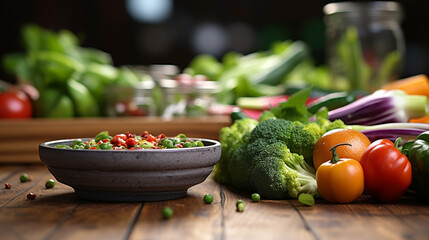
<point x="130" y="175"/>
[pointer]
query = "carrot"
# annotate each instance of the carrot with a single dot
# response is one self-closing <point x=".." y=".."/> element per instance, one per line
<point x="415" y="85"/>
<point x="420" y="120"/>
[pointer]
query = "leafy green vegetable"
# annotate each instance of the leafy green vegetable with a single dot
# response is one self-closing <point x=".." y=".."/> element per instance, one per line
<point x="255" y="74"/>
<point x="71" y="79"/>
<point x="294" y="108"/>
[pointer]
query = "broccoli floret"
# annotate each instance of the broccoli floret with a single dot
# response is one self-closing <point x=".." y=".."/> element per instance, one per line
<point x="231" y="138"/>
<point x="265" y="115"/>
<point x="277" y="173"/>
<point x="327" y="125"/>
<point x="298" y="137"/>
<point x="238" y="167"/>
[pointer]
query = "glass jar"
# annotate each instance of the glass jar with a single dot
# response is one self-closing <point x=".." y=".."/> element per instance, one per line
<point x="365" y="44"/>
<point x="131" y="100"/>
<point x="190" y="100"/>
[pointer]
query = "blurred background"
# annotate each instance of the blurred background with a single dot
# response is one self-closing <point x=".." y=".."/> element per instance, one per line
<point x="173" y="32"/>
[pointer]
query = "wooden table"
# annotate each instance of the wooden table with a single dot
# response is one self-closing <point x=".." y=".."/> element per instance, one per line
<point x="58" y="214"/>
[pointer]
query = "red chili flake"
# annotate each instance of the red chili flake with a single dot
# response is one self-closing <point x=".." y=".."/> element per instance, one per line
<point x="106" y="140"/>
<point x="7" y="186"/>
<point x="31" y="196"/>
<point x="179" y="145"/>
<point x="92" y="148"/>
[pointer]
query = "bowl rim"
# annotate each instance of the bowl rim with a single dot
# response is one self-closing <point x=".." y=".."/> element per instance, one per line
<point x="51" y="145"/>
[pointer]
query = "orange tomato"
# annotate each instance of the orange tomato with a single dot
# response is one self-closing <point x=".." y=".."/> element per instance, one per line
<point x="340" y="180"/>
<point x="322" y="153"/>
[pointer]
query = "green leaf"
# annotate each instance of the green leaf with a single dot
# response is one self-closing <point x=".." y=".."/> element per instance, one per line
<point x="306" y="199"/>
<point x="294" y="109"/>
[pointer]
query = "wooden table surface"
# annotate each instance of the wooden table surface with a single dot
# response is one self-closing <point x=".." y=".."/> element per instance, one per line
<point x="58" y="214"/>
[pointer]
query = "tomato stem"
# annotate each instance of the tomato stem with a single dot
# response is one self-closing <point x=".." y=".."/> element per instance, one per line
<point x="397" y="142"/>
<point x="335" y="157"/>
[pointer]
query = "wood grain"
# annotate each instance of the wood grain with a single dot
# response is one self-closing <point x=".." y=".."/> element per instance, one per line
<point x="20" y="139"/>
<point x="58" y="214"/>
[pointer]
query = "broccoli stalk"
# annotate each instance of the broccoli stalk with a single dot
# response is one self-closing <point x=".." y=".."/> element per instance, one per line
<point x="305" y="182"/>
<point x="277" y="173"/>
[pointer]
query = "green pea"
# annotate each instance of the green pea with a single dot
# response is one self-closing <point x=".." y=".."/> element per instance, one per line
<point x="167" y="212"/>
<point x="199" y="143"/>
<point x="208" y="198"/>
<point x="167" y="143"/>
<point x="238" y="202"/>
<point x="105" y="146"/>
<point x="240" y="207"/>
<point x="256" y="197"/>
<point x="187" y="145"/>
<point x="182" y="137"/>
<point x="24" y="178"/>
<point x="50" y="183"/>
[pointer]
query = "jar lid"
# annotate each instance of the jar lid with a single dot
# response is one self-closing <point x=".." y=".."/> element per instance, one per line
<point x="197" y="86"/>
<point x="361" y="6"/>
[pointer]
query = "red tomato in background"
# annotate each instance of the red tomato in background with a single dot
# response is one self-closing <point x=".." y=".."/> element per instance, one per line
<point x="15" y="104"/>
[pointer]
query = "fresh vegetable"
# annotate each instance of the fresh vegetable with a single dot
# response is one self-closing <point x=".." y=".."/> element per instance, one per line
<point x="255" y="197"/>
<point x="269" y="156"/>
<point x="414" y="85"/>
<point x="71" y="79"/>
<point x="356" y="71"/>
<point x="351" y="62"/>
<point x="129" y="141"/>
<point x="14" y="103"/>
<point x="357" y="141"/>
<point x="382" y="107"/>
<point x="331" y="101"/>
<point x="295" y="108"/>
<point x="236" y="115"/>
<point x="231" y="139"/>
<point x="418" y="155"/>
<point x="257" y="74"/>
<point x="208" y="199"/>
<point x="167" y="212"/>
<point x="277" y="173"/>
<point x="387" y="171"/>
<point x="298" y="137"/>
<point x="424" y="119"/>
<point x="50" y="183"/>
<point x="240" y="206"/>
<point x="24" y="177"/>
<point x="340" y="180"/>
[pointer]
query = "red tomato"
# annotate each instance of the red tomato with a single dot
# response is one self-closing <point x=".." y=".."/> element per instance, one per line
<point x="131" y="142"/>
<point x="387" y="171"/>
<point x="15" y="104"/>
